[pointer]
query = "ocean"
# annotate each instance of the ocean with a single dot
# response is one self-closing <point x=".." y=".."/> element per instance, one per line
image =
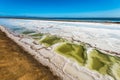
<point x="114" y="20"/>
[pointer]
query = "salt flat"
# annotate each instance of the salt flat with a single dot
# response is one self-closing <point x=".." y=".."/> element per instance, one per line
<point x="72" y="50"/>
<point x="100" y="35"/>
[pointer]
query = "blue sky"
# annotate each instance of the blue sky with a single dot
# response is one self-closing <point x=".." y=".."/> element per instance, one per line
<point x="61" y="8"/>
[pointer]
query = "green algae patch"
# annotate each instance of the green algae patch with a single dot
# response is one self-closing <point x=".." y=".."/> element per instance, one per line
<point x="115" y="67"/>
<point x="73" y="51"/>
<point x="28" y="32"/>
<point x="115" y="71"/>
<point x="104" y="64"/>
<point x="98" y="61"/>
<point x="49" y="40"/>
<point x="94" y="60"/>
<point x="36" y="36"/>
<point x="114" y="59"/>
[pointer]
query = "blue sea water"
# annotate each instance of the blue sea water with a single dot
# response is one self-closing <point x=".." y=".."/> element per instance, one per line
<point x="92" y="19"/>
<point x="117" y="20"/>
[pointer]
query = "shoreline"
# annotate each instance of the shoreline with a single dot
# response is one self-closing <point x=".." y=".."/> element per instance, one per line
<point x="63" y="20"/>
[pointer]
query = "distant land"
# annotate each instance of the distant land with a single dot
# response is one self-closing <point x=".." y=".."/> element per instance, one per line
<point x="86" y="19"/>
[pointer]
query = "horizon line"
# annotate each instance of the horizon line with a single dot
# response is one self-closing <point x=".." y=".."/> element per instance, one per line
<point x="45" y="17"/>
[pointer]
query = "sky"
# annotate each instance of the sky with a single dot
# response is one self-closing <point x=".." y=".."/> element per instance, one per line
<point x="60" y="8"/>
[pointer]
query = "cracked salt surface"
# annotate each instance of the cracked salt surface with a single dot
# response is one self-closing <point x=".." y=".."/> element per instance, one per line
<point x="103" y="36"/>
<point x="70" y="31"/>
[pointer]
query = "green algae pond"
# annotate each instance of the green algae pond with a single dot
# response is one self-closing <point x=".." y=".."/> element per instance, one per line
<point x="95" y="60"/>
<point x="16" y="64"/>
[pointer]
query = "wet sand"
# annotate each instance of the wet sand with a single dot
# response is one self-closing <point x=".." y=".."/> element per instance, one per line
<point x="16" y="64"/>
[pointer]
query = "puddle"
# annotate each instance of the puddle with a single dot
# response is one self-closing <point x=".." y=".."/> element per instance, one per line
<point x="16" y="64"/>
